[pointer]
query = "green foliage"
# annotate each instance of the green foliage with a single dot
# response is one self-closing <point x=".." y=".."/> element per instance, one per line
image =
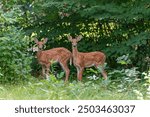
<point x="147" y="83"/>
<point x="124" y="60"/>
<point x="116" y="27"/>
<point x="144" y="95"/>
<point x="15" y="64"/>
<point x="52" y="90"/>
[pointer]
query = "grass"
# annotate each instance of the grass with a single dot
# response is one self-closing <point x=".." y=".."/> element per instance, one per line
<point x="58" y="90"/>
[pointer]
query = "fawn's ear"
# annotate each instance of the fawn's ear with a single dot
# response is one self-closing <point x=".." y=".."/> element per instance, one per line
<point x="70" y="38"/>
<point x="45" y="40"/>
<point x="79" y="38"/>
<point x="36" y="40"/>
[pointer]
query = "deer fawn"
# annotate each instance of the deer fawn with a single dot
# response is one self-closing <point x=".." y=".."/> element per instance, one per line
<point x="82" y="60"/>
<point x="45" y="58"/>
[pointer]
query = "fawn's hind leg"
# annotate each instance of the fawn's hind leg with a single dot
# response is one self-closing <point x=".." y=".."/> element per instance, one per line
<point x="103" y="72"/>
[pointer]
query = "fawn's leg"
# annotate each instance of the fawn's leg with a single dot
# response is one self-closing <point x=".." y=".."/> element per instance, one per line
<point x="47" y="71"/>
<point x="103" y="72"/>
<point x="79" y="73"/>
<point x="43" y="70"/>
<point x="66" y="69"/>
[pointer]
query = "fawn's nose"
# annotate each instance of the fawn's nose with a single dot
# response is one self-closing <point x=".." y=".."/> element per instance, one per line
<point x="40" y="47"/>
<point x="74" y="45"/>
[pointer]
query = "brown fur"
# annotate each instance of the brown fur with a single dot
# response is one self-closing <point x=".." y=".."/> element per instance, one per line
<point x="46" y="57"/>
<point x="82" y="60"/>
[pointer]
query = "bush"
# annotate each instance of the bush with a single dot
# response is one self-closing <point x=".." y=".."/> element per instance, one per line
<point x="15" y="64"/>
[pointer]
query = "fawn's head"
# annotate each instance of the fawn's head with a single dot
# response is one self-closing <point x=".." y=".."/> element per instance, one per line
<point x="40" y="44"/>
<point x="74" y="41"/>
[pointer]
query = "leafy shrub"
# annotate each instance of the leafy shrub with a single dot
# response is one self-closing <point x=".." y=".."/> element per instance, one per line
<point x="144" y="94"/>
<point x="125" y="78"/>
<point x="147" y="84"/>
<point x="15" y="64"/>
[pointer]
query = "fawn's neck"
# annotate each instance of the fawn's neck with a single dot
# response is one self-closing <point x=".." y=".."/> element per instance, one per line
<point x="38" y="54"/>
<point x="74" y="51"/>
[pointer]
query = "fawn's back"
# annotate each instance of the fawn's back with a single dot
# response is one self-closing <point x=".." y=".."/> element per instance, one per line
<point x="55" y="54"/>
<point x="90" y="59"/>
